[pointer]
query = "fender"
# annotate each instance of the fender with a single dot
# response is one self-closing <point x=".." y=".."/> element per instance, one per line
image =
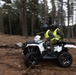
<point x="69" y="46"/>
<point x="40" y="46"/>
<point x="58" y="48"/>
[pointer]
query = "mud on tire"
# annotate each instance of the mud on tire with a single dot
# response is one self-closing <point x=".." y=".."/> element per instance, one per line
<point x="65" y="59"/>
<point x="30" y="59"/>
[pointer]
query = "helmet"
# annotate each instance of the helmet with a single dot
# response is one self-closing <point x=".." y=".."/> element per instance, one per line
<point x="44" y="27"/>
<point x="53" y="26"/>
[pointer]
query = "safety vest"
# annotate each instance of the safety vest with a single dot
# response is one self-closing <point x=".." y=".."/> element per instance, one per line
<point x="56" y="36"/>
<point x="46" y="34"/>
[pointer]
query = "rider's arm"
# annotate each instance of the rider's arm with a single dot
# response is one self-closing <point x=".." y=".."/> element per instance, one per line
<point x="41" y="33"/>
<point x="59" y="32"/>
<point x="50" y="34"/>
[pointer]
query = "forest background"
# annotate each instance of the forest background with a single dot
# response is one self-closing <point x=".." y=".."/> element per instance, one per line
<point x="24" y="17"/>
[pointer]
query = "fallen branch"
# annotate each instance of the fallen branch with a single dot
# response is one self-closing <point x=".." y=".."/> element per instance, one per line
<point x="9" y="46"/>
<point x="17" y="45"/>
<point x="31" y="67"/>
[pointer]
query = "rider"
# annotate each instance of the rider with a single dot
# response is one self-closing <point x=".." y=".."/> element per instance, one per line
<point x="47" y="34"/>
<point x="52" y="34"/>
<point x="57" y="33"/>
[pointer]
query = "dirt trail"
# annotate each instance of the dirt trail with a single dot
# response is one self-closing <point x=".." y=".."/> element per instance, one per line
<point x="12" y="61"/>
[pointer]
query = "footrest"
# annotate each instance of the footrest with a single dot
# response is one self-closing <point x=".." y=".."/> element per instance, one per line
<point x="49" y="57"/>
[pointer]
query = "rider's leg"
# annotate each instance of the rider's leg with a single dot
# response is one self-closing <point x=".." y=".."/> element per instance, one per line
<point x="52" y="42"/>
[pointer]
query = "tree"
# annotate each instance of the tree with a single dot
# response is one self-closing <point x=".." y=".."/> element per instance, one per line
<point x="60" y="14"/>
<point x="7" y="1"/>
<point x="24" y="22"/>
<point x="32" y="14"/>
<point x="53" y="10"/>
<point x="71" y="17"/>
<point x="68" y="32"/>
<point x="1" y="22"/>
<point x="45" y="11"/>
<point x="8" y="8"/>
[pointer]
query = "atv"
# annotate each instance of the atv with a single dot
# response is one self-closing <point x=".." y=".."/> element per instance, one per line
<point x="37" y="49"/>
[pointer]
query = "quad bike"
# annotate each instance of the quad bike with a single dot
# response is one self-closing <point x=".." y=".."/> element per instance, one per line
<point x="37" y="49"/>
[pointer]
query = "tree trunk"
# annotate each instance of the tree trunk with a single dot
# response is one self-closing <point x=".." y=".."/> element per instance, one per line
<point x="32" y="23"/>
<point x="45" y="11"/>
<point x="75" y="31"/>
<point x="53" y="10"/>
<point x="68" y="32"/>
<point x="1" y="22"/>
<point x="9" y="19"/>
<point x="24" y="23"/>
<point x="72" y="28"/>
<point x="72" y="8"/>
<point x="62" y="15"/>
<point x="58" y="14"/>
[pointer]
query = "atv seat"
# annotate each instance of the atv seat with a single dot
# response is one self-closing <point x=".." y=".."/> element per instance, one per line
<point x="31" y="42"/>
<point x="64" y="43"/>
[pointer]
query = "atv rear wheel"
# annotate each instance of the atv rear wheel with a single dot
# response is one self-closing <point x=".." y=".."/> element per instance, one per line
<point x="65" y="59"/>
<point x="31" y="59"/>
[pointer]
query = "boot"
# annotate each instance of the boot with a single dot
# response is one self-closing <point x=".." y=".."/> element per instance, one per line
<point x="51" y="51"/>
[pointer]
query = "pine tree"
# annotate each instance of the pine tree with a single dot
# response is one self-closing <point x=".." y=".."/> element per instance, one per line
<point x="53" y="10"/>
<point x="24" y="20"/>
<point x="1" y="22"/>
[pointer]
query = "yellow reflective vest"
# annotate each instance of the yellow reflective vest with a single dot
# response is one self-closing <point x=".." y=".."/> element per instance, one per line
<point x="46" y="34"/>
<point x="56" y="36"/>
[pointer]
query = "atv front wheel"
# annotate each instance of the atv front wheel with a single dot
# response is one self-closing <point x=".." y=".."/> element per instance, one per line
<point x="31" y="59"/>
<point x="65" y="59"/>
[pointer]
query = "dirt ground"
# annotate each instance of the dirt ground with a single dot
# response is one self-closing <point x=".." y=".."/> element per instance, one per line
<point x="12" y="60"/>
